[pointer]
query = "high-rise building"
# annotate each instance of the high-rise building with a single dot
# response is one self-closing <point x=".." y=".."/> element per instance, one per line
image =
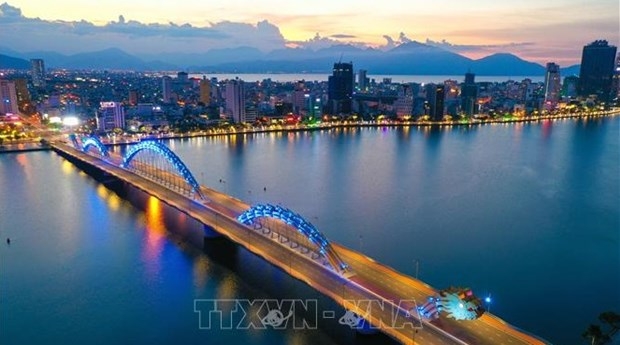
<point x="615" y="89"/>
<point x="435" y="98"/>
<point x="38" y="72"/>
<point x="111" y="116"/>
<point x="182" y="77"/>
<point x="340" y="88"/>
<point x="469" y="95"/>
<point x="597" y="69"/>
<point x="299" y="97"/>
<point x="553" y="85"/>
<point x="23" y="95"/>
<point x="166" y="89"/>
<point x="205" y="90"/>
<point x="403" y="105"/>
<point x="235" y="100"/>
<point x="8" y="97"/>
<point x="133" y="97"/>
<point x="362" y="80"/>
<point x="569" y="86"/>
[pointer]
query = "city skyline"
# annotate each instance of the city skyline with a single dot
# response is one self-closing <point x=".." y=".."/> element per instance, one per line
<point x="540" y="32"/>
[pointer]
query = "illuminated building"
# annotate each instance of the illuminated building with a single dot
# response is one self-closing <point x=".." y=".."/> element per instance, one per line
<point x="38" y="72"/>
<point x="597" y="69"/>
<point x="615" y="91"/>
<point x="8" y="97"/>
<point x="403" y="105"/>
<point x="235" y="101"/>
<point x="133" y="97"/>
<point x="299" y="97"/>
<point x="553" y="85"/>
<point x="166" y="89"/>
<point x="205" y="90"/>
<point x="362" y="80"/>
<point x="111" y="116"/>
<point x="23" y="95"/>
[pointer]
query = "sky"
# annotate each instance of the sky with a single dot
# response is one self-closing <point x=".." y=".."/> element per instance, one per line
<point x="539" y="31"/>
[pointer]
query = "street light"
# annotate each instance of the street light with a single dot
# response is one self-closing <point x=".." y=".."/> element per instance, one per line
<point x="488" y="302"/>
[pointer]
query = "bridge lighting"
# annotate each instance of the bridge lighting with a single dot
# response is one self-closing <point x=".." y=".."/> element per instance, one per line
<point x="304" y="227"/>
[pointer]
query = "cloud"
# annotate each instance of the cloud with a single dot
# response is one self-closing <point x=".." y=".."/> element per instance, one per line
<point x="26" y="34"/>
<point x="403" y="38"/>
<point x="342" y="36"/>
<point x="9" y="11"/>
<point x="391" y="43"/>
<point x="320" y="42"/>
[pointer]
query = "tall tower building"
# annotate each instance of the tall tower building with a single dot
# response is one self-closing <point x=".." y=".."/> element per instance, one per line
<point x="403" y="105"/>
<point x="205" y="90"/>
<point x="166" y="89"/>
<point x="23" y="95"/>
<point x="553" y="85"/>
<point x="362" y="80"/>
<point x="469" y="95"/>
<point x="235" y="100"/>
<point x="299" y="97"/>
<point x="435" y="98"/>
<point x="597" y="69"/>
<point x="340" y="88"/>
<point x="111" y="115"/>
<point x="8" y="98"/>
<point x="38" y="72"/>
<point x="615" y="89"/>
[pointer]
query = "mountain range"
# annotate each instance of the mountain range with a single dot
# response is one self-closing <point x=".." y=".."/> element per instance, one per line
<point x="411" y="58"/>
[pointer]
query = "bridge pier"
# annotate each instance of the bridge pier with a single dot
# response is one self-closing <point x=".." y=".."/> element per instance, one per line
<point x="210" y="232"/>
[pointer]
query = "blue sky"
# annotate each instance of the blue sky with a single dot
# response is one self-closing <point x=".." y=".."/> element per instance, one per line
<point x="541" y="31"/>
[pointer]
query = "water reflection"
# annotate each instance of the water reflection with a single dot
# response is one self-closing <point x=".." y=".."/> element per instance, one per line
<point x="155" y="235"/>
<point x="227" y="289"/>
<point x="201" y="271"/>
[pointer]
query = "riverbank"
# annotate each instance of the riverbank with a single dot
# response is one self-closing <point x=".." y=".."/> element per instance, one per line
<point x="128" y="140"/>
<point x="364" y="124"/>
<point x="23" y="147"/>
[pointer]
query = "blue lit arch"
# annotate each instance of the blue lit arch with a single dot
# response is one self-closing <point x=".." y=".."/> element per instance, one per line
<point x="303" y="226"/>
<point x="94" y="141"/>
<point x="164" y="151"/>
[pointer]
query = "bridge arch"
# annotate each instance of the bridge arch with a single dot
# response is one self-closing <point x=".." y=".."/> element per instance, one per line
<point x="91" y="141"/>
<point x="303" y="226"/>
<point x="165" y="152"/>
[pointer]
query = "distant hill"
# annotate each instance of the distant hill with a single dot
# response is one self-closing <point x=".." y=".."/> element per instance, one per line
<point x="9" y="62"/>
<point x="507" y="64"/>
<point x="408" y="58"/>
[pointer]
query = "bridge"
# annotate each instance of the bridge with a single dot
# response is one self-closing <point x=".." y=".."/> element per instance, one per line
<point x="384" y="298"/>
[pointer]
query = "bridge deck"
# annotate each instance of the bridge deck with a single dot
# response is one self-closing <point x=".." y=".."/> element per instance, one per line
<point x="369" y="281"/>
